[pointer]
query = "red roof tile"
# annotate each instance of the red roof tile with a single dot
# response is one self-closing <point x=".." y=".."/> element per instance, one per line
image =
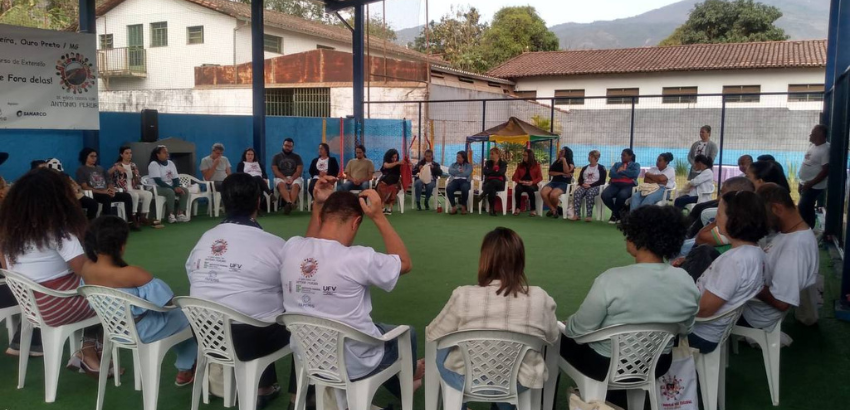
<point x="697" y="57"/>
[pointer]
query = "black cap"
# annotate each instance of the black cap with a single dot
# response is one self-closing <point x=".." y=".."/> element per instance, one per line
<point x="3" y="157"/>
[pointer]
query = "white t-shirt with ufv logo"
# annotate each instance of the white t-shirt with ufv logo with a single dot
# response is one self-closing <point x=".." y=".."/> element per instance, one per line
<point x="330" y="280"/>
<point x="239" y="266"/>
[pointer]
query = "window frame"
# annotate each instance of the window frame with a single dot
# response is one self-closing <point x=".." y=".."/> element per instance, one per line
<point x="814" y="95"/>
<point x="278" y="39"/>
<point x="741" y="89"/>
<point x="313" y="102"/>
<point x="157" y="34"/>
<point x="111" y="41"/>
<point x="528" y="94"/>
<point x="679" y="95"/>
<point x="324" y="47"/>
<point x="189" y="35"/>
<point x="570" y="97"/>
<point x="622" y="96"/>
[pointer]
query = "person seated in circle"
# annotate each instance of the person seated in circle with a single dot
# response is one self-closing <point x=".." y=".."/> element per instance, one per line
<point x="561" y="173"/>
<point x="93" y="177"/>
<point x="591" y="178"/>
<point x="426" y="173"/>
<point x="125" y="175"/>
<point x="658" y="180"/>
<point x="215" y="167"/>
<point x="106" y="240"/>
<point x="288" y="167"/>
<point x="527" y="177"/>
<point x="701" y="187"/>
<point x="460" y="174"/>
<point x="766" y="171"/>
<point x="738" y="274"/>
<point x="501" y="300"/>
<point x="623" y="176"/>
<point x="493" y="181"/>
<point x="390" y="183"/>
<point x="164" y="173"/>
<point x="323" y="165"/>
<point x="251" y="165"/>
<point x="650" y="290"/>
<point x="358" y="172"/>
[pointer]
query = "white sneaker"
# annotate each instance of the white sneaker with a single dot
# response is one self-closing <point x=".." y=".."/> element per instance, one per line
<point x="171" y="219"/>
<point x="182" y="218"/>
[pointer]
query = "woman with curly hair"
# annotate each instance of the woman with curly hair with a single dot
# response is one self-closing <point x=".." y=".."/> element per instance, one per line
<point x="40" y="239"/>
<point x="649" y="291"/>
<point x="390" y="182"/>
<point x="93" y="177"/>
<point x="738" y="274"/>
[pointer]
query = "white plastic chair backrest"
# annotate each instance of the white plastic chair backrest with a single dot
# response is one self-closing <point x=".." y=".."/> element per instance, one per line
<point x="321" y="345"/>
<point x="492" y="359"/>
<point x="114" y="308"/>
<point x="186" y="180"/>
<point x="733" y="314"/>
<point x="23" y="288"/>
<point x="212" y="325"/>
<point x="635" y="349"/>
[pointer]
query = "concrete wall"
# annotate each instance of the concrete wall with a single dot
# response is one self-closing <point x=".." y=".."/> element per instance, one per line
<point x="707" y="82"/>
<point x="228" y="101"/>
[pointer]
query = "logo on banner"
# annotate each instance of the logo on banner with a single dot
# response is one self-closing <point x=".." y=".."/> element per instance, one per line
<point x="75" y="72"/>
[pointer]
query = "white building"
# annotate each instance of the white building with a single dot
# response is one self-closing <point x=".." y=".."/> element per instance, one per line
<point x="676" y="74"/>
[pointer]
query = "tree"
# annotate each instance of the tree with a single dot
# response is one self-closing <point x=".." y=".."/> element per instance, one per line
<point x="456" y="38"/>
<point x="516" y="30"/>
<point x="46" y="14"/>
<point x="720" y="21"/>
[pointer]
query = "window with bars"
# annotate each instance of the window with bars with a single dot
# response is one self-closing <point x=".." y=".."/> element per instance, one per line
<point x="525" y="94"/>
<point x="195" y="35"/>
<point x="106" y="42"/>
<point x="622" y="95"/>
<point x="752" y="90"/>
<point x="569" y="97"/>
<point x="816" y="92"/>
<point x="679" y="95"/>
<point x="298" y="102"/>
<point x="159" y="34"/>
<point x="273" y="44"/>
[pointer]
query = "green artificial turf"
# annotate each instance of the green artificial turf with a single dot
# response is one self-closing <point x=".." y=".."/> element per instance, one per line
<point x="562" y="257"/>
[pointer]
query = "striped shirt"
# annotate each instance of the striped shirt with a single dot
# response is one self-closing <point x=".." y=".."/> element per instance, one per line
<point x="479" y="307"/>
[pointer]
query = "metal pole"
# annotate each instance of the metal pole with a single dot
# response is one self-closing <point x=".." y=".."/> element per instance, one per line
<point x="358" y="51"/>
<point x="722" y="136"/>
<point x="258" y="78"/>
<point x="831" y="56"/>
<point x="420" y="129"/>
<point x="88" y="24"/>
<point x="632" y="127"/>
<point x="483" y="116"/>
<point x="837" y="158"/>
<point x="552" y="117"/>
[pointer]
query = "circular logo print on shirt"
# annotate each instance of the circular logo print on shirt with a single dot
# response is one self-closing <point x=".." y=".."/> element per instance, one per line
<point x="305" y="299"/>
<point x="309" y="267"/>
<point x="219" y="247"/>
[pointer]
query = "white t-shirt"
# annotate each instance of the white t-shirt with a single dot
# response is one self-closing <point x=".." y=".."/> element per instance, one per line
<point x="42" y="265"/>
<point x="252" y="168"/>
<point x="736" y="277"/>
<point x="591" y="174"/>
<point x="167" y="173"/>
<point x="816" y="157"/>
<point x="668" y="172"/>
<point x="239" y="267"/>
<point x="327" y="279"/>
<point x="322" y="166"/>
<point x="791" y="265"/>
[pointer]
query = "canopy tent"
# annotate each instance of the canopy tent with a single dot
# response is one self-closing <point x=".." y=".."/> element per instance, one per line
<point x="515" y="131"/>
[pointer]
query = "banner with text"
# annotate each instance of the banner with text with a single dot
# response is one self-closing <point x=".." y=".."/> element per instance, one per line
<point x="48" y="79"/>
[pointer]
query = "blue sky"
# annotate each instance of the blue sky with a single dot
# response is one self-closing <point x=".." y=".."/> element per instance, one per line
<point x="409" y="13"/>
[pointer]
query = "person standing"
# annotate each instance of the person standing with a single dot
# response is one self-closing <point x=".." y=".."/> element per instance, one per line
<point x="93" y="177"/>
<point x="288" y="167"/>
<point x="321" y="166"/>
<point x="813" y="174"/>
<point x="215" y="167"/>
<point x="527" y="177"/>
<point x="702" y="147"/>
<point x="426" y="172"/>
<point x="125" y="175"/>
<point x="358" y="172"/>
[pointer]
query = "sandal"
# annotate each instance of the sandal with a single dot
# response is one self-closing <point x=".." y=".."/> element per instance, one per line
<point x="157" y="224"/>
<point x="549" y="214"/>
<point x="516" y="212"/>
<point x="532" y="213"/>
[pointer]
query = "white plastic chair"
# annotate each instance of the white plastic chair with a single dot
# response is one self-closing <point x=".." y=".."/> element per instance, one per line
<point x="566" y="199"/>
<point x="301" y="195"/>
<point x="150" y="185"/>
<point x="119" y="206"/>
<point x="321" y="361"/>
<point x="770" y="344"/>
<point x="538" y="199"/>
<point x="501" y="195"/>
<point x="469" y="196"/>
<point x="399" y="198"/>
<point x="186" y="181"/>
<point x="710" y="367"/>
<point x="635" y="350"/>
<point x="11" y="315"/>
<point x="435" y="193"/>
<point x="492" y="359"/>
<point x="668" y="198"/>
<point x="212" y="324"/>
<point x="52" y="338"/>
<point x="114" y="308"/>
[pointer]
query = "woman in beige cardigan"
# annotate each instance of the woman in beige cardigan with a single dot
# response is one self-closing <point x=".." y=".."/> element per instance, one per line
<point x="502" y="300"/>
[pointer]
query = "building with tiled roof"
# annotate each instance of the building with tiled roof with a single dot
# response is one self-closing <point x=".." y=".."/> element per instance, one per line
<point x="675" y="71"/>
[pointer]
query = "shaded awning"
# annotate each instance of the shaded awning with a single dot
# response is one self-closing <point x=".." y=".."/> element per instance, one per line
<point x="514" y="131"/>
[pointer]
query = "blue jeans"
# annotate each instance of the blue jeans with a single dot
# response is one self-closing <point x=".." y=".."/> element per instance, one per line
<point x="456" y="185"/>
<point x="456" y="381"/>
<point x="349" y="186"/>
<point x="418" y="186"/>
<point x="639" y="200"/>
<point x="704" y="346"/>
<point x="615" y="196"/>
<point x="391" y="356"/>
<point x="154" y="326"/>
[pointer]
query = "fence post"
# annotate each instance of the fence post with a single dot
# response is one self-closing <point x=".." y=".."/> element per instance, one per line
<point x="722" y="135"/>
<point x="632" y="130"/>
<point x="484" y="115"/>
<point x="420" y="129"/>
<point x="552" y="117"/>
